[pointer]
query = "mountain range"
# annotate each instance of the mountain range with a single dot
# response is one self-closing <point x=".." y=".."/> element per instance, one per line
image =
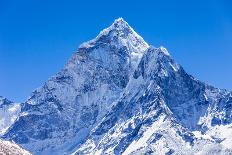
<point x="119" y="95"/>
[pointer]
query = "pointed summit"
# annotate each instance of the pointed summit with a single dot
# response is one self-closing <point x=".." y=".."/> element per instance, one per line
<point x="118" y="40"/>
<point x="119" y="27"/>
<point x="121" y="31"/>
<point x="120" y="24"/>
<point x="119" y="20"/>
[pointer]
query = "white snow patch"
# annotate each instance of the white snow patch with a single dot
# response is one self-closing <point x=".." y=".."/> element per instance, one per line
<point x="8" y="114"/>
<point x="164" y="50"/>
<point x="135" y="145"/>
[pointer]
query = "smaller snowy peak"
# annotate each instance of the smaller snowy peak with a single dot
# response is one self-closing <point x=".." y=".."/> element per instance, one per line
<point x="4" y="101"/>
<point x="9" y="112"/>
<point x="156" y="62"/>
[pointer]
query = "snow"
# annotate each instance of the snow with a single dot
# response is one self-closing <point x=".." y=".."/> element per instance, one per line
<point x="223" y="132"/>
<point x="118" y="95"/>
<point x="132" y="41"/>
<point x="220" y="132"/>
<point x="164" y="50"/>
<point x="10" y="148"/>
<point x="8" y="115"/>
<point x="142" y="142"/>
<point x="173" y="67"/>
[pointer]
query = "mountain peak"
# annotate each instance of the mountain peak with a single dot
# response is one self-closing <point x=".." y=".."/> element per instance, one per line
<point x="120" y="38"/>
<point x="119" y="20"/>
<point x="119" y="26"/>
<point x="4" y="100"/>
<point x="120" y="29"/>
<point x="120" y="23"/>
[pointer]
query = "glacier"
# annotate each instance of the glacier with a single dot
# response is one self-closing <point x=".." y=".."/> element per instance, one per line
<point x="119" y="95"/>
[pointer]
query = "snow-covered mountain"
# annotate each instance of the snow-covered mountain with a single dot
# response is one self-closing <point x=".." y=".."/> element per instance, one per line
<point x="163" y="110"/>
<point x="119" y="95"/>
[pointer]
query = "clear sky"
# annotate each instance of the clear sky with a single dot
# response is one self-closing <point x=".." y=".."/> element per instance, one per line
<point x="38" y="37"/>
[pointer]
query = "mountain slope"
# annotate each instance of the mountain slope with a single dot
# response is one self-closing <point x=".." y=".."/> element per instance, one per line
<point x="148" y="119"/>
<point x="118" y="95"/>
<point x="9" y="148"/>
<point x="72" y="102"/>
<point x="9" y="112"/>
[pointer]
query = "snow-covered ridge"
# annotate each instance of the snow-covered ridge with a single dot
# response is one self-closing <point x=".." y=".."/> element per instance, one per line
<point x="10" y="148"/>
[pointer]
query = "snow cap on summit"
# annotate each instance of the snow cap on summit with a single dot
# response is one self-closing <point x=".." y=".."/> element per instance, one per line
<point x="119" y="25"/>
<point x="120" y="22"/>
<point x="121" y="29"/>
<point x="120" y="19"/>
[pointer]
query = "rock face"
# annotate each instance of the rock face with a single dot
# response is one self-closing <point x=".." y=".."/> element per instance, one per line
<point x="118" y="95"/>
<point x="10" y="148"/>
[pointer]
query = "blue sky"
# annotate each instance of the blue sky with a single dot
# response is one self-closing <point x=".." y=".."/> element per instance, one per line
<point x="38" y="37"/>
